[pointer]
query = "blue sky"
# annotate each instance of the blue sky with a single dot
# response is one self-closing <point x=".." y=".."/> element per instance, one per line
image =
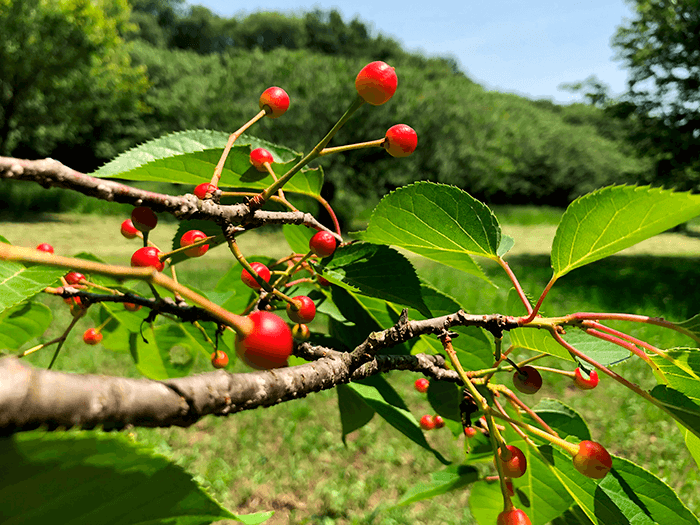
<point x="528" y="48"/>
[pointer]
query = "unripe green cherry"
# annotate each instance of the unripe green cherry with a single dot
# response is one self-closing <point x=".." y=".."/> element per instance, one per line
<point x="400" y="140"/>
<point x="376" y="83"/>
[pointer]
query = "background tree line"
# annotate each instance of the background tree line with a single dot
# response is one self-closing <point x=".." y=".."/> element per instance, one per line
<point x="94" y="86"/>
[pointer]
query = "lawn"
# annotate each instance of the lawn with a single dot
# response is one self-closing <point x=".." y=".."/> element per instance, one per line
<point x="290" y="458"/>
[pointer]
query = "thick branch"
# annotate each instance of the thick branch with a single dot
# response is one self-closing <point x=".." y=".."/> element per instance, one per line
<point x="32" y="398"/>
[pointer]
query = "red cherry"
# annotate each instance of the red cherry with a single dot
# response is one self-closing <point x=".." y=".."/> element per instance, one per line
<point x="147" y="256"/>
<point x="74" y="277"/>
<point x="204" y="188"/>
<point x="421" y="385"/>
<point x="516" y="464"/>
<point x="192" y="237"/>
<point x="276" y="99"/>
<point x="258" y="158"/>
<point x="305" y="314"/>
<point x="513" y="517"/>
<point x="45" y="247"/>
<point x="439" y="422"/>
<point x="73" y="301"/>
<point x="509" y="487"/>
<point x="92" y="336"/>
<point x="323" y="282"/>
<point x="528" y="380"/>
<point x="400" y="140"/>
<point x="376" y="83"/>
<point x="582" y="382"/>
<point x="322" y="244"/>
<point x="427" y="422"/>
<point x="131" y="307"/>
<point x="219" y="359"/>
<point x="268" y="345"/>
<point x="592" y="460"/>
<point x="301" y="332"/>
<point x="144" y="219"/>
<point x="261" y="270"/>
<point x="128" y="229"/>
<point x="470" y="432"/>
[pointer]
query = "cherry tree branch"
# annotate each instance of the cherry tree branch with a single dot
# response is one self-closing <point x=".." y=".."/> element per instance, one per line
<point x="51" y="173"/>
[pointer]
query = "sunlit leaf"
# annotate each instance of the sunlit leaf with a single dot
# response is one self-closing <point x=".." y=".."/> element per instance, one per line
<point x="614" y="218"/>
<point x="23" y="323"/>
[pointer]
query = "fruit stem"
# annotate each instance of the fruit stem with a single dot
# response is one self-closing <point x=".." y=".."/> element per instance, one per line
<point x="624" y="344"/>
<point x="657" y="321"/>
<point x="349" y="147"/>
<point x="240" y="324"/>
<point x="330" y="211"/>
<point x="61" y="340"/>
<point x="516" y="283"/>
<point x="273" y="198"/>
<point x="516" y="401"/>
<point x="532" y="315"/>
<point x="266" y="193"/>
<point x="556" y="440"/>
<point x="163" y="256"/>
<point x="268" y="167"/>
<point x="232" y="138"/>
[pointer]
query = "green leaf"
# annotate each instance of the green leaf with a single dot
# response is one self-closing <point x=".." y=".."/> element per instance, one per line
<point x="614" y="218"/>
<point x="692" y="325"/>
<point x="399" y="418"/>
<point x="298" y="237"/>
<point x="507" y="242"/>
<point x="443" y="481"/>
<point x="562" y="418"/>
<point x="79" y="477"/>
<point x="190" y="157"/>
<point x="539" y="341"/>
<point x="18" y="282"/>
<point x="354" y="412"/>
<point x="445" y="398"/>
<point x="23" y="323"/>
<point x="628" y="494"/>
<point x="485" y="502"/>
<point x="376" y="271"/>
<point x="440" y="222"/>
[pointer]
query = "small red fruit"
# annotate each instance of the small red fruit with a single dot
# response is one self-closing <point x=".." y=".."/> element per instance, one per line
<point x="583" y="383"/>
<point x="131" y="307"/>
<point x="470" y="432"/>
<point x="592" y="460"/>
<point x="513" y="517"/>
<point x="322" y="244"/>
<point x="301" y="332"/>
<point x="202" y="189"/>
<point x="306" y="312"/>
<point x="276" y="99"/>
<point x="258" y="158"/>
<point x="400" y="140"/>
<point x="515" y="463"/>
<point x="219" y="359"/>
<point x="427" y="422"/>
<point x="74" y="277"/>
<point x="128" y="229"/>
<point x="45" y="247"/>
<point x="323" y="282"/>
<point x="439" y="422"/>
<point x="376" y="83"/>
<point x="92" y="336"/>
<point x="528" y="380"/>
<point x="262" y="270"/>
<point x="422" y="385"/>
<point x="192" y="237"/>
<point x="268" y="345"/>
<point x="73" y="301"/>
<point x="147" y="256"/>
<point x="144" y="219"/>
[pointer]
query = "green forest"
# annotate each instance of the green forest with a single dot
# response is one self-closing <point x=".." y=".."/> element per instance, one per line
<point x="84" y="81"/>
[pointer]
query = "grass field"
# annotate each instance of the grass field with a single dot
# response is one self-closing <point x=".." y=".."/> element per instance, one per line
<point x="290" y="458"/>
